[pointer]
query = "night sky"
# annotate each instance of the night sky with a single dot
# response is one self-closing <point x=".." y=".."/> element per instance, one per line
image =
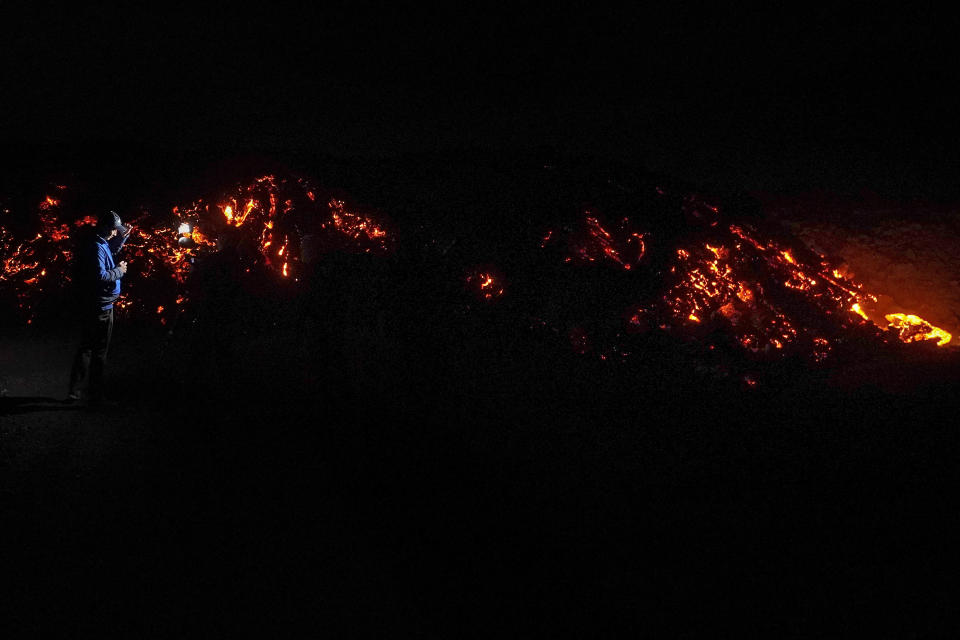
<point x="781" y="99"/>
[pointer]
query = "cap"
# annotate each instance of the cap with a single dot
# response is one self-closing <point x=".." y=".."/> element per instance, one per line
<point x="110" y="221"/>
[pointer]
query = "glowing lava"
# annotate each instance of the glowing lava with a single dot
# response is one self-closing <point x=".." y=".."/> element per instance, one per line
<point x="265" y="213"/>
<point x="915" y="329"/>
<point x="624" y="246"/>
<point x="772" y="297"/>
<point x="485" y="285"/>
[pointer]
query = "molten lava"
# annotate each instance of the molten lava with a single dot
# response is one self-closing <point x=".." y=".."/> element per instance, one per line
<point x="913" y="329"/>
<point x="771" y="296"/>
<point x="266" y="213"/>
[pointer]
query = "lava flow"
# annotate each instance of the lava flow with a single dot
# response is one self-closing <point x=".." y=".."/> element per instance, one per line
<point x="761" y="288"/>
<point x="913" y="329"/>
<point x="772" y="297"/>
<point x="37" y="261"/>
<point x="768" y="294"/>
<point x="272" y="219"/>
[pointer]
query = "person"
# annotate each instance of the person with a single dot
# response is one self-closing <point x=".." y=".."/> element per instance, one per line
<point x="97" y="279"/>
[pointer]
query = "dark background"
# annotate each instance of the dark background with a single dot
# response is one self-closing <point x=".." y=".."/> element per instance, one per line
<point x="781" y="99"/>
<point x="493" y="475"/>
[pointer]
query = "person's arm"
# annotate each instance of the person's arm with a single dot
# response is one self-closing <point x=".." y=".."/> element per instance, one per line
<point x="116" y="243"/>
<point x="105" y="274"/>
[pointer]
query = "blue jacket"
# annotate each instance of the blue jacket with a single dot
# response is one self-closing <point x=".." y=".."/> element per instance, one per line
<point x="100" y="276"/>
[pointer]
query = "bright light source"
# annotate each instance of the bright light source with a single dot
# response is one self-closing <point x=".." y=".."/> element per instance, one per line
<point x="184" y="227"/>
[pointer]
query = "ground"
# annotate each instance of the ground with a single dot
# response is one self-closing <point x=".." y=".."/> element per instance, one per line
<point x="472" y="505"/>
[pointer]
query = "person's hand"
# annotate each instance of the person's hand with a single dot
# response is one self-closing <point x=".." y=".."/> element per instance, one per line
<point x="123" y="267"/>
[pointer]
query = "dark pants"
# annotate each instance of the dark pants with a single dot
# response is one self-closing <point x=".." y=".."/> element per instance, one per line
<point x="97" y="328"/>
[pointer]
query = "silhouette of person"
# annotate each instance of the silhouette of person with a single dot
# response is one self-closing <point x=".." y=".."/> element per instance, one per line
<point x="97" y="281"/>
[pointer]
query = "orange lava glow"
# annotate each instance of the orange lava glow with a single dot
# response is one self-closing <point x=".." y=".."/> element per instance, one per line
<point x="717" y="281"/>
<point x="621" y="245"/>
<point x="915" y="329"/>
<point x="485" y="285"/>
<point x="267" y="213"/>
<point x="775" y="298"/>
<point x="353" y="224"/>
<point x="772" y="297"/>
<point x="48" y="203"/>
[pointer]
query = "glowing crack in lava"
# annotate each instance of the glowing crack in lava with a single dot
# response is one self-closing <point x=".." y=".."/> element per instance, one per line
<point x="624" y="246"/>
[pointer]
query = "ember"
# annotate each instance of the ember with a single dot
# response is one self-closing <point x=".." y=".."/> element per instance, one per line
<point x="485" y="284"/>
